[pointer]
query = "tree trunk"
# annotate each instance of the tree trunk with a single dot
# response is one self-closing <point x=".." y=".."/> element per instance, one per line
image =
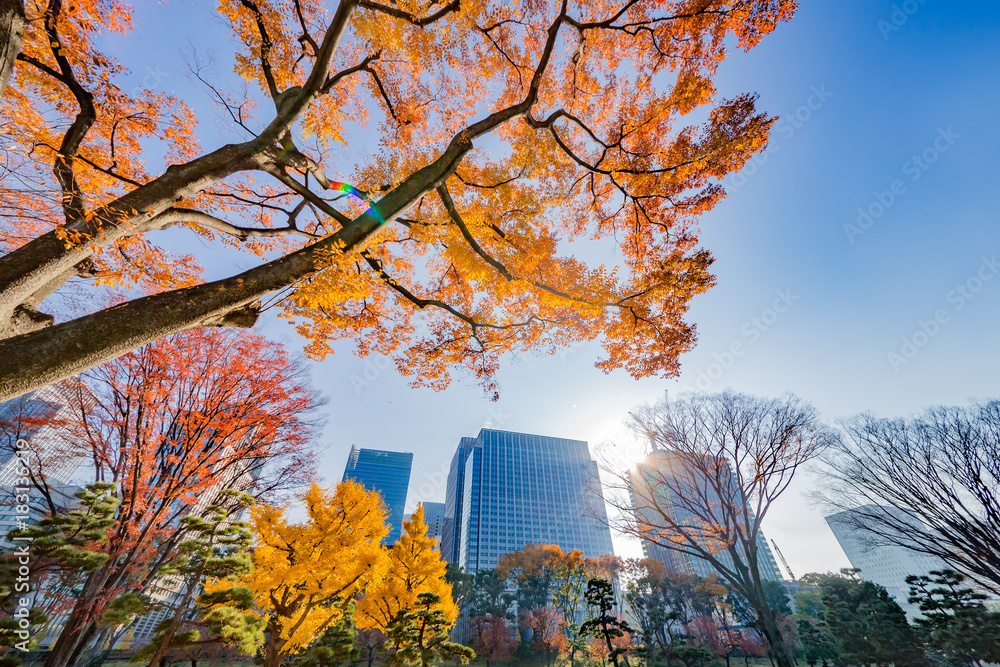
<point x="84" y="646"/>
<point x="12" y="23"/>
<point x="175" y="622"/>
<point x="70" y="639"/>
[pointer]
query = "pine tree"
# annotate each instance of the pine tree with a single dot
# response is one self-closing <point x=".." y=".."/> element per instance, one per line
<point x="955" y="620"/>
<point x="419" y="636"/>
<point x="600" y="594"/>
<point x="335" y="647"/>
<point x="214" y="546"/>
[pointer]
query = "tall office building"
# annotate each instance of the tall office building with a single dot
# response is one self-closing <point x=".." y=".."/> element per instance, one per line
<point x="664" y="474"/>
<point x="385" y="472"/>
<point x="41" y="421"/>
<point x="884" y="564"/>
<point x="434" y="518"/>
<point x="507" y="490"/>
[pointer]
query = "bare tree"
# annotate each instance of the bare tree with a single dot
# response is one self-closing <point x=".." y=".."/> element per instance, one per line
<point x="930" y="483"/>
<point x="717" y="464"/>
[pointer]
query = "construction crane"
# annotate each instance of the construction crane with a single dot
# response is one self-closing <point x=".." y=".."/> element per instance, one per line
<point x="783" y="561"/>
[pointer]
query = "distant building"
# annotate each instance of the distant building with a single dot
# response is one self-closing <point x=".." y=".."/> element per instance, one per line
<point x="40" y="419"/>
<point x="434" y="518"/>
<point x="385" y="472"/>
<point x="507" y="490"/>
<point x="884" y="564"/>
<point x="652" y="474"/>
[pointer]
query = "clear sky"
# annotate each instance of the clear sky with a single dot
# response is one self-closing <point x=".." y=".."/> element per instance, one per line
<point x="890" y="108"/>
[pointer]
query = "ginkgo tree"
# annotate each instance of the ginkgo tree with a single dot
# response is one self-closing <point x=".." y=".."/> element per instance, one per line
<point x="415" y="566"/>
<point x="497" y="134"/>
<point x="305" y="575"/>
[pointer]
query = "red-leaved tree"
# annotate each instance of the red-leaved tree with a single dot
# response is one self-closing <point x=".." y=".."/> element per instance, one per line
<point x="494" y="639"/>
<point x="172" y="425"/>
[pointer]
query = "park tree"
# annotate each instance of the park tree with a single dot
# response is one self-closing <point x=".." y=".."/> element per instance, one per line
<point x="927" y="484"/>
<point x="649" y="595"/>
<point x="371" y="644"/>
<point x="544" y="627"/>
<point x="493" y="639"/>
<point x="418" y="635"/>
<point x="954" y="621"/>
<point x="533" y="572"/>
<point x="486" y="135"/>
<point x="65" y="546"/>
<point x="306" y="574"/>
<point x="334" y="647"/>
<point x="414" y="566"/>
<point x="869" y="626"/>
<point x="605" y="626"/>
<point x="488" y="596"/>
<point x="817" y="643"/>
<point x="716" y="466"/>
<point x="172" y="426"/>
<point x="215" y="545"/>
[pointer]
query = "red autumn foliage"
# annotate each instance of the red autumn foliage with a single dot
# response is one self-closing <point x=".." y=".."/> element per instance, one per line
<point x="172" y="425"/>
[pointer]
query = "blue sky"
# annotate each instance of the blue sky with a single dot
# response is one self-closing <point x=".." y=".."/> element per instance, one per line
<point x="887" y="107"/>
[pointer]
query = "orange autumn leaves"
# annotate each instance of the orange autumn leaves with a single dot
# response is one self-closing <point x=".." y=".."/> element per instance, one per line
<point x="574" y="219"/>
<point x="308" y="576"/>
<point x="69" y="108"/>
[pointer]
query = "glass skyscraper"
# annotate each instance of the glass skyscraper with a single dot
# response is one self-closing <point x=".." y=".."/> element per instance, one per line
<point x="507" y="490"/>
<point x="434" y="518"/>
<point x="885" y="564"/>
<point x="665" y="473"/>
<point x="385" y="472"/>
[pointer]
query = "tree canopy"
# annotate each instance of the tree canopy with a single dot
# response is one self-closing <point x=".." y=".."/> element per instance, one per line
<point x="490" y="136"/>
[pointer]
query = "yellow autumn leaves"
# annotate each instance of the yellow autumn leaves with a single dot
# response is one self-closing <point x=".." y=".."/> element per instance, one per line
<point x="307" y="576"/>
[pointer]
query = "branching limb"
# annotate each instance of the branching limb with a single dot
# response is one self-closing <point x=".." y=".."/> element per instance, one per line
<point x="181" y="215"/>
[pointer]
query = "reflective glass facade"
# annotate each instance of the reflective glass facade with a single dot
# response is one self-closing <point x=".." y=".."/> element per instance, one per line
<point x="434" y="518"/>
<point x="385" y="472"/>
<point x="35" y="418"/>
<point x="507" y="490"/>
<point x="666" y="472"/>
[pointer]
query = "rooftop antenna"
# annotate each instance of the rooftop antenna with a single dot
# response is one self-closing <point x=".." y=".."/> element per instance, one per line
<point x="783" y="561"/>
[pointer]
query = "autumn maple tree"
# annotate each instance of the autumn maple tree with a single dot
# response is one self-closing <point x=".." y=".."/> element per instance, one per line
<point x="168" y="431"/>
<point x="489" y="136"/>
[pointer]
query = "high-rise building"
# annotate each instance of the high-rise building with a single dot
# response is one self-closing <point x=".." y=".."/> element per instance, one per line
<point x="507" y="490"/>
<point x="663" y="475"/>
<point x="434" y="518"/>
<point x="385" y="472"/>
<point x="884" y="564"/>
<point x="40" y="420"/>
